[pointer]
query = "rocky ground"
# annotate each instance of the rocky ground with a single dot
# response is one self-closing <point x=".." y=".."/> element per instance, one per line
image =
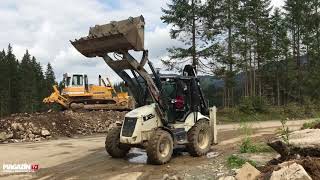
<point x="81" y="157"/>
<point x="40" y="126"/>
<point x="308" y="167"/>
<point x="298" y="159"/>
<point x="299" y="155"/>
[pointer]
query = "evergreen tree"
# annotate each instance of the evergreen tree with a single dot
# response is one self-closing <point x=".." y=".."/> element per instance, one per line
<point x="39" y="85"/>
<point x="3" y="89"/>
<point x="295" y="16"/>
<point x="185" y="18"/>
<point x="277" y="74"/>
<point x="27" y="83"/>
<point x="253" y="42"/>
<point x="23" y="84"/>
<point x="12" y="81"/>
<point x="222" y="15"/>
<point x="311" y="39"/>
<point x="231" y="9"/>
<point x="243" y="46"/>
<point x="49" y="79"/>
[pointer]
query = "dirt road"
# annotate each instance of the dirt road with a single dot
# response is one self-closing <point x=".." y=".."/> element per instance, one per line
<point x="85" y="157"/>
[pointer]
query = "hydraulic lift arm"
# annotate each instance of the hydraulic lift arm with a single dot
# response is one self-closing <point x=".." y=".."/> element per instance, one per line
<point x="128" y="62"/>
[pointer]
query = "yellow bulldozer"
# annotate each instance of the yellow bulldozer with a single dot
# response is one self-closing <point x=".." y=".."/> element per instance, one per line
<point x="77" y="94"/>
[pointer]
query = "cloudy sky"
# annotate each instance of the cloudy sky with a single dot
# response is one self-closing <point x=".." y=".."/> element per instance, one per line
<point x="44" y="27"/>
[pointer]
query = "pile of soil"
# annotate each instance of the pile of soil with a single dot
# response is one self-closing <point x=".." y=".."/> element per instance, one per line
<point x="38" y="126"/>
<point x="310" y="164"/>
<point x="304" y="142"/>
<point x="317" y="126"/>
<point x="303" y="149"/>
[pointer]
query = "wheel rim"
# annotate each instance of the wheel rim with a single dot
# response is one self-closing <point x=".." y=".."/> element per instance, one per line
<point x="164" y="147"/>
<point x="203" y="139"/>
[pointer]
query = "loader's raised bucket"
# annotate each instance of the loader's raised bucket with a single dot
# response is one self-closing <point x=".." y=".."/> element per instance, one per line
<point x="113" y="37"/>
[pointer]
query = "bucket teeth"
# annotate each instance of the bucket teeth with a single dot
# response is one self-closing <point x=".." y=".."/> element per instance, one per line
<point x="116" y="36"/>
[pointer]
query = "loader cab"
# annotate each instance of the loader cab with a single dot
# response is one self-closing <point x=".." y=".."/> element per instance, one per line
<point x="182" y="94"/>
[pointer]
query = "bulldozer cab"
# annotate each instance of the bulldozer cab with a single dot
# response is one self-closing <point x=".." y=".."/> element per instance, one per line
<point x="77" y="81"/>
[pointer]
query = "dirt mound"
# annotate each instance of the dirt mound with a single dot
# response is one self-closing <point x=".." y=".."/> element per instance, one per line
<point x="311" y="166"/>
<point x="317" y="126"/>
<point x="304" y="142"/>
<point x="37" y="126"/>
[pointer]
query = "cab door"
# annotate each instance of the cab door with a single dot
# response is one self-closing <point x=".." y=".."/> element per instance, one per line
<point x="86" y="85"/>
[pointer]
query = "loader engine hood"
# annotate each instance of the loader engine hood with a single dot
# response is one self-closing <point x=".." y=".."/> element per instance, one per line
<point x="142" y="111"/>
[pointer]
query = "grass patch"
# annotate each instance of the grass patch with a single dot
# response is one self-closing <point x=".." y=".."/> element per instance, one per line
<point x="310" y="125"/>
<point x="247" y="146"/>
<point x="263" y="148"/>
<point x="274" y="113"/>
<point x="235" y="161"/>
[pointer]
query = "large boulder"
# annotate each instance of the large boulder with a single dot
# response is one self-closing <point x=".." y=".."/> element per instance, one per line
<point x="292" y="171"/>
<point x="303" y="142"/>
<point x="17" y="127"/>
<point x="247" y="172"/>
<point x="128" y="176"/>
<point x="45" y="132"/>
<point x="227" y="178"/>
<point x="3" y="136"/>
<point x="9" y="135"/>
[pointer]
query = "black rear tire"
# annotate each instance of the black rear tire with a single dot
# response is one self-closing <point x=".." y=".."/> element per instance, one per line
<point x="160" y="147"/>
<point x="200" y="138"/>
<point x="113" y="145"/>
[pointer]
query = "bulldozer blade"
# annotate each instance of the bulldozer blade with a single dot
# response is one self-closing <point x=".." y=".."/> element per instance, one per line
<point x="117" y="36"/>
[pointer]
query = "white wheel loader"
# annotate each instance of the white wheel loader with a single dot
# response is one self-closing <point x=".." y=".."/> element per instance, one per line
<point x="171" y="110"/>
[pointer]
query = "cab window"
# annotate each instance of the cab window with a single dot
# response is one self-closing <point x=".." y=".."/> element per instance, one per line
<point x="77" y="80"/>
<point x="68" y="79"/>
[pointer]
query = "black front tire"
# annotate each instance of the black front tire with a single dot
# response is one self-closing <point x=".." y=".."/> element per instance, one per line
<point x="160" y="147"/>
<point x="200" y="138"/>
<point x="113" y="145"/>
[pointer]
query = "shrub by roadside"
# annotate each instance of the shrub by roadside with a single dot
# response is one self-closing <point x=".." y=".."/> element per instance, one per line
<point x="315" y="124"/>
<point x="235" y="161"/>
<point x="291" y="111"/>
